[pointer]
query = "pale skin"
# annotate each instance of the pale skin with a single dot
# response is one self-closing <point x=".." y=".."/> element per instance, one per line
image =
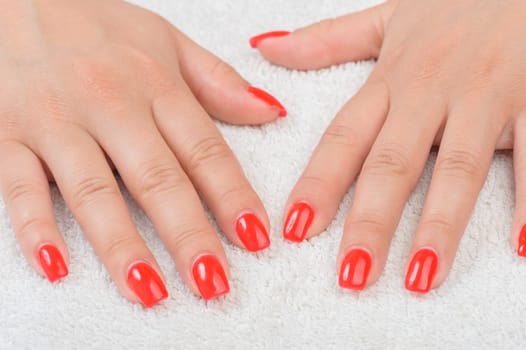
<point x="450" y="73"/>
<point x="108" y="93"/>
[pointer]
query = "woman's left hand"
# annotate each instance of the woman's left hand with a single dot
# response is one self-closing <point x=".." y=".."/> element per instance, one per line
<point x="449" y="72"/>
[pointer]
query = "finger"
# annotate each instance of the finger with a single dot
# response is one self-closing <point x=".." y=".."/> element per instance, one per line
<point x="461" y="168"/>
<point x="156" y="180"/>
<point x="389" y="174"/>
<point x="353" y="37"/>
<point x="518" y="236"/>
<point x="213" y="169"/>
<point x="335" y="163"/>
<point x="26" y="193"/>
<point x="91" y="192"/>
<point x="213" y="82"/>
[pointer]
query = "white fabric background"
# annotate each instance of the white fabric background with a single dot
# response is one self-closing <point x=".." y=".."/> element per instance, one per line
<point x="286" y="297"/>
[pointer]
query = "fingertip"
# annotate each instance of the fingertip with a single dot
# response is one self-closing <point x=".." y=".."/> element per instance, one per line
<point x="422" y="271"/>
<point x="257" y="39"/>
<point x="354" y="268"/>
<point x="52" y="262"/>
<point x="521" y="242"/>
<point x="268" y="100"/>
<point x="210" y="277"/>
<point x="252" y="232"/>
<point x="146" y="283"/>
<point x="298" y="222"/>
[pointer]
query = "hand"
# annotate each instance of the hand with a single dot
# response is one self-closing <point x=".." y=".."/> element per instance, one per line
<point x="448" y="72"/>
<point x="85" y="83"/>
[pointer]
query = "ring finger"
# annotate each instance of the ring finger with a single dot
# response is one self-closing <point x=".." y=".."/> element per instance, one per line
<point x="92" y="194"/>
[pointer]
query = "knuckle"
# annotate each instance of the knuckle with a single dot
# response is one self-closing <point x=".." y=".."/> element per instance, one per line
<point x="315" y="186"/>
<point x="153" y="69"/>
<point x="325" y="26"/>
<point x="438" y="224"/>
<point x="33" y="226"/>
<point x="219" y="71"/>
<point x="426" y="70"/>
<point x="120" y="245"/>
<point x="91" y="189"/>
<point x="98" y="81"/>
<point x="236" y="193"/>
<point x="388" y="160"/>
<point x="341" y="134"/>
<point x="186" y="236"/>
<point x="459" y="163"/>
<point x="11" y="125"/>
<point x="52" y="105"/>
<point x="157" y="179"/>
<point x="21" y="190"/>
<point x="434" y="55"/>
<point x="367" y="222"/>
<point x="207" y="150"/>
<point x="323" y="30"/>
<point x="483" y="73"/>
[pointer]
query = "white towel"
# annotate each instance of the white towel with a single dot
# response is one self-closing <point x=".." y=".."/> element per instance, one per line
<point x="286" y="297"/>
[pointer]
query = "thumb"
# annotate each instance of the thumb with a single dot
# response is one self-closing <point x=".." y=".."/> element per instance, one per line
<point x="220" y="89"/>
<point x="357" y="36"/>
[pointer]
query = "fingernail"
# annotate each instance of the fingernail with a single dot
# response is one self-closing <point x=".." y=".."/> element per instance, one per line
<point x="298" y="222"/>
<point x="355" y="269"/>
<point x="522" y="242"/>
<point x="252" y="233"/>
<point x="268" y="99"/>
<point x="146" y="284"/>
<point x="52" y="262"/>
<point x="421" y="271"/>
<point x="210" y="277"/>
<point x="255" y="40"/>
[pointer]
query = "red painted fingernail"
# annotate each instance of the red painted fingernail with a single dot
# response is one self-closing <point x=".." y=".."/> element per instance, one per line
<point x="52" y="262"/>
<point x="210" y="277"/>
<point x="255" y="40"/>
<point x="522" y="242"/>
<point x="268" y="99"/>
<point x="146" y="284"/>
<point x="252" y="233"/>
<point x="298" y="222"/>
<point x="355" y="269"/>
<point x="421" y="271"/>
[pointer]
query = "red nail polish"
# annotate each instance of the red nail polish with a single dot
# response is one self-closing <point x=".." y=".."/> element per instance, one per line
<point x="355" y="269"/>
<point x="252" y="233"/>
<point x="255" y="40"/>
<point x="146" y="284"/>
<point x="268" y="99"/>
<point x="210" y="277"/>
<point x="298" y="222"/>
<point x="421" y="271"/>
<point x="52" y="262"/>
<point x="522" y="242"/>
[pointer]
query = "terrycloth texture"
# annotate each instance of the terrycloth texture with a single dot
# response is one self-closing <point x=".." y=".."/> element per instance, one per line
<point x="286" y="297"/>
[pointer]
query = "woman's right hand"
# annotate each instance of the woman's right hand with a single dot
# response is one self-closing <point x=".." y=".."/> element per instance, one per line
<point x="87" y="84"/>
